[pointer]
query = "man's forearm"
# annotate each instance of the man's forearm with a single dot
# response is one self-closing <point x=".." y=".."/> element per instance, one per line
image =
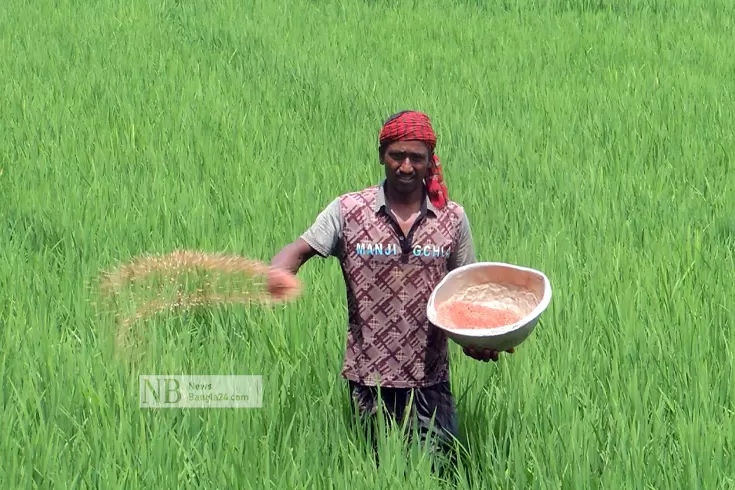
<point x="293" y="256"/>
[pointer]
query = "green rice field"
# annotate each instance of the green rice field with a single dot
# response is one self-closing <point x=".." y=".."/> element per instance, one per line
<point x="589" y="139"/>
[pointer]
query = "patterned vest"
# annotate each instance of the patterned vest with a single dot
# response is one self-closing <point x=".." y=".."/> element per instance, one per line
<point x="389" y="280"/>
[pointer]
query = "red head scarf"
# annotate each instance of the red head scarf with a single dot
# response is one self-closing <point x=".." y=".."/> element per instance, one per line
<point x="412" y="125"/>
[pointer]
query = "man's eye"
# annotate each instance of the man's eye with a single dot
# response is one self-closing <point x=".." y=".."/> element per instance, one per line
<point x="414" y="157"/>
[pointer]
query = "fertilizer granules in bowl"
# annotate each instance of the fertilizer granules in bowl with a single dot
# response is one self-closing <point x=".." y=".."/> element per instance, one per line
<point x="470" y="315"/>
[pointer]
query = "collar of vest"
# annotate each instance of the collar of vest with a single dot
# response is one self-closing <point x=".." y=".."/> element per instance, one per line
<point x="380" y="201"/>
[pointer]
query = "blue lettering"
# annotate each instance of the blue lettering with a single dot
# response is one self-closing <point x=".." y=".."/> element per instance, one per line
<point x="392" y="249"/>
<point x="430" y="251"/>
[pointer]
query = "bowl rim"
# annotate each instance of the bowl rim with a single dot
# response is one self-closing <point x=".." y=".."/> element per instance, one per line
<point x="492" y="332"/>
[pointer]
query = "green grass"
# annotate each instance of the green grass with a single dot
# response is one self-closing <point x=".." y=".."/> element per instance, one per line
<point x="592" y="140"/>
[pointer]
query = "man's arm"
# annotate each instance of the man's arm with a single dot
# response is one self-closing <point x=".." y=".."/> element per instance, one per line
<point x="293" y="256"/>
<point x="464" y="252"/>
<point x="322" y="239"/>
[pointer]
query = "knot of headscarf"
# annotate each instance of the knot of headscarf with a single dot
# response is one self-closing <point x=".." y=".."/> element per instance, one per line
<point x="413" y="125"/>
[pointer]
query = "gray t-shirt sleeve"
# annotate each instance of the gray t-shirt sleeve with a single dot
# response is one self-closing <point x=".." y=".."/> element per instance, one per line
<point x="464" y="252"/>
<point x="325" y="233"/>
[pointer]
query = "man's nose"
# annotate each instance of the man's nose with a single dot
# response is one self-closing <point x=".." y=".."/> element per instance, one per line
<point x="406" y="166"/>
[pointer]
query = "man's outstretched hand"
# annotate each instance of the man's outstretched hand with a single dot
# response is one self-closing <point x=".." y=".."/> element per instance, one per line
<point x="282" y="285"/>
<point x="485" y="355"/>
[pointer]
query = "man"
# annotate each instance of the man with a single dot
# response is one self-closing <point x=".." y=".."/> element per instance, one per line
<point x="395" y="242"/>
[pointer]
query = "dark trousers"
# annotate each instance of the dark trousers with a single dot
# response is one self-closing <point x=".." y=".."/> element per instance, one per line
<point x="430" y="412"/>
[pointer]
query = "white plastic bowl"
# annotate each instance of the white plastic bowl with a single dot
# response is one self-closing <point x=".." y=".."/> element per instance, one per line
<point x="527" y="291"/>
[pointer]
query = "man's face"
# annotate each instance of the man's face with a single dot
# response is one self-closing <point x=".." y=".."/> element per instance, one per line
<point x="406" y="164"/>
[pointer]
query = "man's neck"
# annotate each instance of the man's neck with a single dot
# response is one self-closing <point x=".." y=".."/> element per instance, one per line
<point x="405" y="202"/>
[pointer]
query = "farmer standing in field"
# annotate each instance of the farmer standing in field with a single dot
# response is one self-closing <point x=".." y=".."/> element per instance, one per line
<point x="395" y="242"/>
